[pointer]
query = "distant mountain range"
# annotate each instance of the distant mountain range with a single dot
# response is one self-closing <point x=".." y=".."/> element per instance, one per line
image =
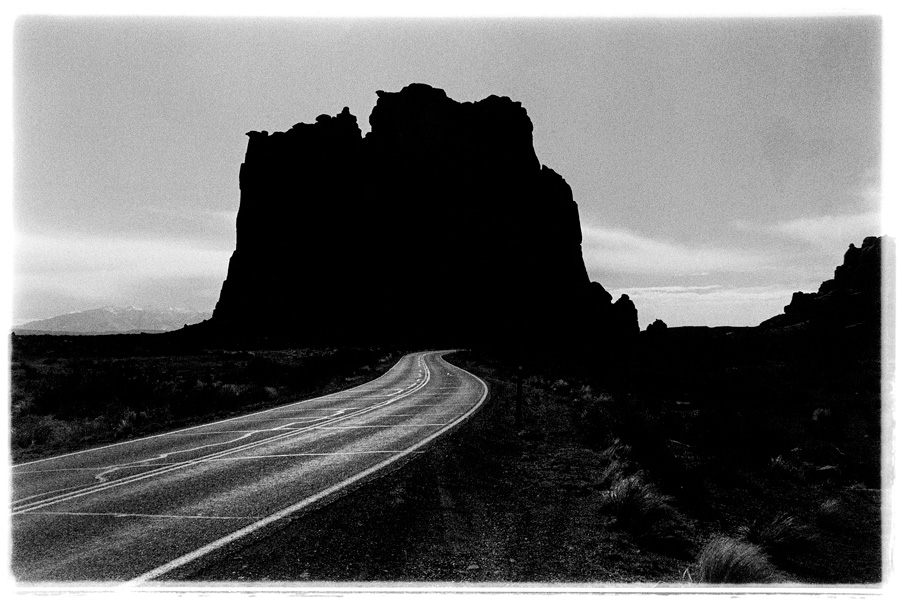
<point x="113" y="319"/>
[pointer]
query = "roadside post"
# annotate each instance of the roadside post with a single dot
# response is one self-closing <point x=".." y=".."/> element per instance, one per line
<point x="519" y="398"/>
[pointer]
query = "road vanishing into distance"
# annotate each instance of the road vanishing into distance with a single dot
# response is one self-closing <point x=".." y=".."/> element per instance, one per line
<point x="135" y="511"/>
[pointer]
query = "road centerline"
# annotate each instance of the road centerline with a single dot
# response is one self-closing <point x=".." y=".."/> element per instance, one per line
<point x="174" y="510"/>
<point x="252" y="528"/>
<point x="91" y="489"/>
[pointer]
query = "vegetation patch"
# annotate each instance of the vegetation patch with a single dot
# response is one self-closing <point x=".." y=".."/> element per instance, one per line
<point x="781" y="537"/>
<point x="725" y="560"/>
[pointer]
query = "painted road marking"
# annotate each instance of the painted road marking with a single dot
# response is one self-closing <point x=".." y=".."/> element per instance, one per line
<point x="302" y="454"/>
<point x="83" y="491"/>
<point x="79" y="491"/>
<point x="101" y="477"/>
<point x="406" y="416"/>
<point x="253" y="527"/>
<point x="388" y="426"/>
<point x="291" y="455"/>
<point x="347" y="391"/>
<point x="442" y="404"/>
<point x="140" y="515"/>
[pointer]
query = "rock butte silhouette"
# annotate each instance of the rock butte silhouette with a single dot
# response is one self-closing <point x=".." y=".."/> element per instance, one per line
<point x="439" y="226"/>
<point x="851" y="299"/>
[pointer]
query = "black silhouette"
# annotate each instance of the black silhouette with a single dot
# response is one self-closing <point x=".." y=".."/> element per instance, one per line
<point x="657" y="328"/>
<point x="851" y="298"/>
<point x="439" y="226"/>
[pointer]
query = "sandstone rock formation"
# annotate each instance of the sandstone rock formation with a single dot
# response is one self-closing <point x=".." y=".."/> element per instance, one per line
<point x="851" y="298"/>
<point x="657" y="328"/>
<point x="439" y="226"/>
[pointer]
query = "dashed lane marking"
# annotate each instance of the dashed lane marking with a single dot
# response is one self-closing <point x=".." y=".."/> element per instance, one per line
<point x="227" y="458"/>
<point x="350" y="391"/>
<point x="388" y="426"/>
<point x="285" y="512"/>
<point x="141" y="515"/>
<point x="302" y="454"/>
<point x="82" y="491"/>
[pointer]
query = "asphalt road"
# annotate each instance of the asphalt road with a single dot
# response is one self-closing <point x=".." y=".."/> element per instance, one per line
<point x="137" y="510"/>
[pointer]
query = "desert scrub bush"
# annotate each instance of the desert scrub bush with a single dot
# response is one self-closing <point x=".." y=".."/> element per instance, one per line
<point x="560" y="386"/>
<point x="645" y="513"/>
<point x="615" y="464"/>
<point x="209" y="398"/>
<point x="833" y="514"/>
<point x="87" y="391"/>
<point x="781" y="537"/>
<point x="592" y="418"/>
<point x="648" y="436"/>
<point x="727" y="560"/>
<point x="46" y="431"/>
<point x="634" y="502"/>
<point x="31" y="430"/>
<point x="786" y="468"/>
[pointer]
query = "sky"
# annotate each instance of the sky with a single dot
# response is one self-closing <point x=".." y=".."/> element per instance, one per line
<point x="719" y="164"/>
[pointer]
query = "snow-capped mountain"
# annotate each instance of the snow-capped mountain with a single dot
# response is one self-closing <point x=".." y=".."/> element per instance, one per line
<point x="116" y="319"/>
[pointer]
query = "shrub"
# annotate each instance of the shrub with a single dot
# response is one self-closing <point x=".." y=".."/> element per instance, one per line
<point x="615" y="464"/>
<point x="592" y="418"/>
<point x="786" y="468"/>
<point x="635" y="503"/>
<point x="645" y="432"/>
<point x="645" y="513"/>
<point x="746" y="432"/>
<point x="833" y="515"/>
<point x="560" y="386"/>
<point x="31" y="430"/>
<point x="781" y="536"/>
<point x="726" y="560"/>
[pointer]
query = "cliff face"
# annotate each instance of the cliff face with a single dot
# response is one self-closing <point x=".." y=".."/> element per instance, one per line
<point x="851" y="298"/>
<point x="440" y="225"/>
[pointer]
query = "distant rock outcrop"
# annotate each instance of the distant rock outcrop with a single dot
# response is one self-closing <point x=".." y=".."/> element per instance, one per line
<point x="657" y="328"/>
<point x="440" y="225"/>
<point x="851" y="298"/>
<point x="625" y="317"/>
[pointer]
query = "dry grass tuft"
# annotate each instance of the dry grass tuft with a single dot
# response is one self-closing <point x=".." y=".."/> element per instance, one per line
<point x="834" y="515"/>
<point x="615" y="464"/>
<point x="727" y="560"/>
<point x="648" y="515"/>
<point x="635" y="503"/>
<point x="781" y="536"/>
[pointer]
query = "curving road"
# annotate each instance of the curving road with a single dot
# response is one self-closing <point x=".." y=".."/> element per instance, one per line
<point x="136" y="510"/>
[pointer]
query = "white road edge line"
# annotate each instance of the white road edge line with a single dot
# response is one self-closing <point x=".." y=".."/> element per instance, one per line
<point x="297" y="454"/>
<point x="288" y="433"/>
<point x="253" y="527"/>
<point x="142" y="515"/>
<point x="150" y="437"/>
<point x="389" y="425"/>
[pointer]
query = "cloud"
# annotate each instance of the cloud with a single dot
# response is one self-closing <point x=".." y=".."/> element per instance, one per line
<point x="709" y="294"/>
<point x="825" y="231"/>
<point x="707" y="305"/>
<point x="79" y="272"/>
<point x="676" y="289"/>
<point x="787" y="256"/>
<point x="127" y="257"/>
<point x="621" y="251"/>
